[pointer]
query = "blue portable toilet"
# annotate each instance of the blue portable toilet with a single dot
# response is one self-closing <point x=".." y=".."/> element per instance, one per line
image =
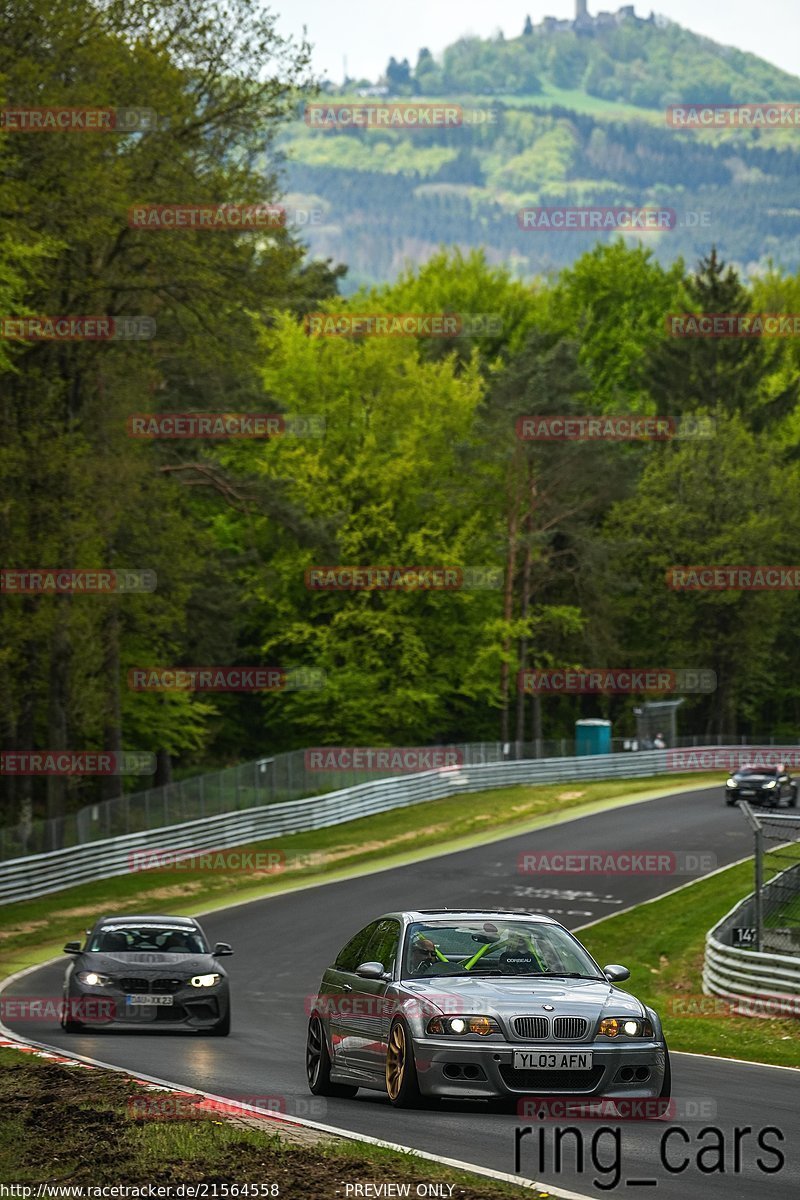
<point x="593" y="736"/>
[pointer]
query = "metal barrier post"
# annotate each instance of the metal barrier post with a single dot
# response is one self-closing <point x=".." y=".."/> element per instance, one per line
<point x="755" y="825"/>
<point x="759" y="881"/>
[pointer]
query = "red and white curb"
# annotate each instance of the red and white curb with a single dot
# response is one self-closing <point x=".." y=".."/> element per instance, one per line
<point x="219" y="1105"/>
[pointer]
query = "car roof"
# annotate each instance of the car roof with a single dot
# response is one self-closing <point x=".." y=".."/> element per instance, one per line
<point x="140" y="919"/>
<point x="472" y="914"/>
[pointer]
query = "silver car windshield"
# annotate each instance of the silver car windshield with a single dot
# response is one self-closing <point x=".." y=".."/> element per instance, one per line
<point x="493" y="947"/>
<point x="122" y="939"/>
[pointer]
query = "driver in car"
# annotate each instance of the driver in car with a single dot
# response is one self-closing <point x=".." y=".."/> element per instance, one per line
<point x="423" y="953"/>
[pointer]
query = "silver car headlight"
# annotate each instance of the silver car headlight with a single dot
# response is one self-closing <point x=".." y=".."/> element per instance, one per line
<point x="631" y="1027"/>
<point x="463" y="1026"/>
<point x="771" y="784"/>
<point x="204" y="980"/>
<point x="94" y="978"/>
<point x="731" y="783"/>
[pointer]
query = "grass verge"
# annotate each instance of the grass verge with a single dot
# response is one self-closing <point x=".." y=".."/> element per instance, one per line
<point x="663" y="943"/>
<point x="67" y="1126"/>
<point x="34" y="930"/>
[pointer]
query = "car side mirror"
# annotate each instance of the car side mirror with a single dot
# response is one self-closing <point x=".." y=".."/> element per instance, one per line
<point x="72" y="948"/>
<point x="370" y="970"/>
<point x="615" y="973"/>
<point x="221" y="949"/>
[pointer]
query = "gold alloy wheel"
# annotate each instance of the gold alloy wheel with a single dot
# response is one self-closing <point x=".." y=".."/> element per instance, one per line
<point x="314" y="1051"/>
<point x="396" y="1056"/>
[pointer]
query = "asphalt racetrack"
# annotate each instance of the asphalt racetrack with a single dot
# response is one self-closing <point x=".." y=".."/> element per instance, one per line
<point x="283" y="944"/>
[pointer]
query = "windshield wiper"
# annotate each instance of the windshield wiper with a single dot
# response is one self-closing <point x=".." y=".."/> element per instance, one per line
<point x="568" y="975"/>
<point x="537" y="975"/>
<point x="439" y="975"/>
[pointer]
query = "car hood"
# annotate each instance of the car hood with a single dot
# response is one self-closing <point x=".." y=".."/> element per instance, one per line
<point x="759" y="780"/>
<point x="574" y="997"/>
<point x="150" y="963"/>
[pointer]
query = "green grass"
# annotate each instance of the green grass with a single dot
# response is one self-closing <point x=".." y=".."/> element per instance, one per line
<point x="34" y="930"/>
<point x="549" y="97"/>
<point x="580" y="102"/>
<point x="787" y="914"/>
<point x="662" y="942"/>
<point x="65" y="1125"/>
<point x="788" y="911"/>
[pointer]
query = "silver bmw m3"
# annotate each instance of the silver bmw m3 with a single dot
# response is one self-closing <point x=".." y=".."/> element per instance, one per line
<point x="490" y="1005"/>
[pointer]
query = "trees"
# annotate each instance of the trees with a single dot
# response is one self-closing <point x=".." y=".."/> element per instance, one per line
<point x="76" y="494"/>
<point x="398" y="75"/>
<point x="719" y="500"/>
<point x="419" y="465"/>
<point x="723" y="376"/>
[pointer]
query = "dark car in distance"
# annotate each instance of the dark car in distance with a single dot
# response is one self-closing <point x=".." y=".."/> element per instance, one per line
<point x="765" y="786"/>
<point x="149" y="972"/>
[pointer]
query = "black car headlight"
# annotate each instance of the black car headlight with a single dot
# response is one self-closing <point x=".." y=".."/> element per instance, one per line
<point x="200" y="981"/>
<point x="625" y="1027"/>
<point x="94" y="978"/>
<point x="463" y="1026"/>
<point x="731" y="783"/>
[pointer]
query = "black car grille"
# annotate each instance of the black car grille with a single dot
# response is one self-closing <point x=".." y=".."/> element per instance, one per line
<point x="551" y="1081"/>
<point x="570" y="1027"/>
<point x="142" y="987"/>
<point x="133" y="984"/>
<point x="167" y="986"/>
<point x="535" y="1029"/>
<point x="531" y="1028"/>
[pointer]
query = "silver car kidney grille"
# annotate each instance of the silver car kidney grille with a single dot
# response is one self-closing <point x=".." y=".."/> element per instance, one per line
<point x="569" y="1027"/>
<point x="531" y="1028"/>
<point x="535" y="1029"/>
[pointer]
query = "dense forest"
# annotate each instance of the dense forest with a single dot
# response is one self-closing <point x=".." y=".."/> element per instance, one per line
<point x="413" y="459"/>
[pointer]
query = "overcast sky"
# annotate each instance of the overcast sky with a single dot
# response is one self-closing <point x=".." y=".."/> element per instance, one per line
<point x="367" y="32"/>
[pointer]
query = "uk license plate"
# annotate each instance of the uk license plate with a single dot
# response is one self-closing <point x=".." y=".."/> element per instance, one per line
<point x="552" y="1060"/>
<point x="146" y="999"/>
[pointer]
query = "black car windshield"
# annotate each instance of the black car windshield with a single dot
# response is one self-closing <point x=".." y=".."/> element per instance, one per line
<point x="746" y="772"/>
<point x="165" y="939"/>
<point x="496" y="947"/>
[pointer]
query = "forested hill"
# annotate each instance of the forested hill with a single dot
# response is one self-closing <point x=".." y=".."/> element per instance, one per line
<point x="647" y="63"/>
<point x="563" y="116"/>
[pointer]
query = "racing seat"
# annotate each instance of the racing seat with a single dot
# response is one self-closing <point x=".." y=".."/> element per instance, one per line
<point x="176" y="942"/>
<point x="112" y="943"/>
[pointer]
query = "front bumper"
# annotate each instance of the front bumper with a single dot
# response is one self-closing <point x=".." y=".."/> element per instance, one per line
<point x="485" y="1070"/>
<point x="191" y="1008"/>
<point x="761" y="798"/>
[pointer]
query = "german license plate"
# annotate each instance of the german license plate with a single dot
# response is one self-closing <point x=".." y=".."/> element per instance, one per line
<point x="552" y="1060"/>
<point x="747" y="791"/>
<point x="148" y="999"/>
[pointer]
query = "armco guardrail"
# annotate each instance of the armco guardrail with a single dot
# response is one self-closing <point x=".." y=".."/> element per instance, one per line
<point x="273" y="779"/>
<point x="40" y="874"/>
<point x="758" y="982"/>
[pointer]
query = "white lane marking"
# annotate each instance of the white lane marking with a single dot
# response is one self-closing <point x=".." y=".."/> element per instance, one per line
<point x="747" y="1062"/>
<point x="349" y="1135"/>
<point x="663" y="895"/>
<point x="501" y="836"/>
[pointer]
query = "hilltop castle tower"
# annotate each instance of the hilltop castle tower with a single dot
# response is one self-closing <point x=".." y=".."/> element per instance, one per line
<point x="580" y="10"/>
